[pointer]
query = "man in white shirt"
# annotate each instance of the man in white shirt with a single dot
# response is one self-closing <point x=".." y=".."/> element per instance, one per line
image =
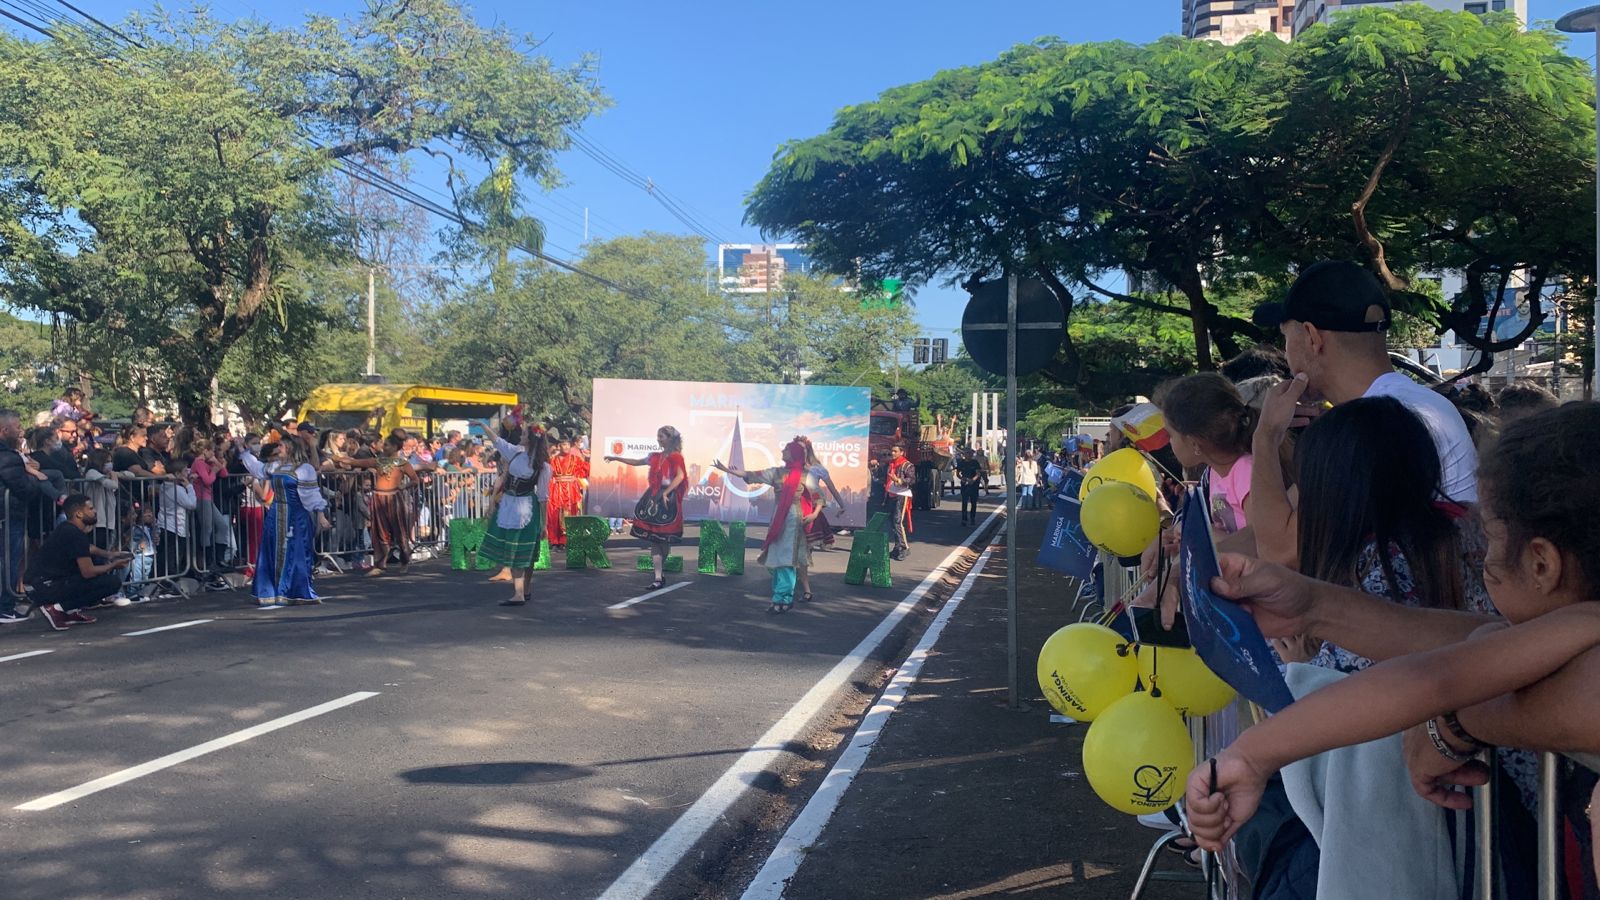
<point x="1333" y="321"/>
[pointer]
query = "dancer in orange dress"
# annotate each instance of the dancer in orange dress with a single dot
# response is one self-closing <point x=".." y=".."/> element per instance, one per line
<point x="566" y="490"/>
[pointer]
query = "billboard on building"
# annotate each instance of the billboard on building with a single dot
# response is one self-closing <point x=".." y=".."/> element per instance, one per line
<point x="759" y="268"/>
<point x="744" y="425"/>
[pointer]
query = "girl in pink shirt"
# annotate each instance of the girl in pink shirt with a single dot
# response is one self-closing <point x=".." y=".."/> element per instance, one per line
<point x="1210" y="425"/>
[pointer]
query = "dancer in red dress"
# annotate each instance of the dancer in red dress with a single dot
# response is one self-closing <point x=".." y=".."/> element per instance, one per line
<point x="668" y="477"/>
<point x="566" y="490"/>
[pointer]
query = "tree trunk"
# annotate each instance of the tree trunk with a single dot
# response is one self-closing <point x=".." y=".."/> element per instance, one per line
<point x="1199" y="318"/>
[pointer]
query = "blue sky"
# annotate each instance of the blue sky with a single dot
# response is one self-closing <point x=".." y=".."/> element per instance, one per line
<point x="705" y="93"/>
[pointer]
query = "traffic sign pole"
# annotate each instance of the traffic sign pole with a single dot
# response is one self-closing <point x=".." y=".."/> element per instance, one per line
<point x="1012" y="557"/>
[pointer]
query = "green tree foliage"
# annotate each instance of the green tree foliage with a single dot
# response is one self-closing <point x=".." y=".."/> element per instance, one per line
<point x="551" y="332"/>
<point x="1047" y="422"/>
<point x="815" y="327"/>
<point x="1424" y="141"/>
<point x="546" y="333"/>
<point x="165" y="194"/>
<point x="1410" y="138"/>
<point x="29" y="377"/>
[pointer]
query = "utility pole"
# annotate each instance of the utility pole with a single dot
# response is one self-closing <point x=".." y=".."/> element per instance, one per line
<point x="372" y="321"/>
<point x="586" y="224"/>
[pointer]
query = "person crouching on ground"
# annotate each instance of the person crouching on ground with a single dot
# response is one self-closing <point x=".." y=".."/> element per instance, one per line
<point x="65" y="575"/>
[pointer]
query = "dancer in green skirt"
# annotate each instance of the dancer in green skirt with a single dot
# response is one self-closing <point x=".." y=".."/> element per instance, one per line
<point x="518" y="527"/>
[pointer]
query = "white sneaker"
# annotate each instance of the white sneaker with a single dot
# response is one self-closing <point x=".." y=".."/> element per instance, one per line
<point x="120" y="600"/>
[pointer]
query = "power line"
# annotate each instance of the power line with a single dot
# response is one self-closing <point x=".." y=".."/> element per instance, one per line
<point x="100" y="23"/>
<point x="644" y="183"/>
<point x="24" y="22"/>
<point x="380" y="182"/>
<point x="696" y="213"/>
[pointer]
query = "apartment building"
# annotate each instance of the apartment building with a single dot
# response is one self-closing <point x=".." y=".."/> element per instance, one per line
<point x="1309" y="12"/>
<point x="1231" y="21"/>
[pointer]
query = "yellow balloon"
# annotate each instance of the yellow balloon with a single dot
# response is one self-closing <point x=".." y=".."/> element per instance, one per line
<point x="1127" y="466"/>
<point x="1120" y="519"/>
<point x="1138" y="754"/>
<point x="1183" y="680"/>
<point x="1084" y="668"/>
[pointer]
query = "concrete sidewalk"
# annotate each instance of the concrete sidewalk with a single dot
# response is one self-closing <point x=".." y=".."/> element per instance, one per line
<point x="965" y="798"/>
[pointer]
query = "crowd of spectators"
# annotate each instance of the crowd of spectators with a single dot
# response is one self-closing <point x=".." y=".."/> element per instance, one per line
<point x="144" y="503"/>
<point x="1335" y="482"/>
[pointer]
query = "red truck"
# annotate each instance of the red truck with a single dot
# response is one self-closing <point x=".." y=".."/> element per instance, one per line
<point x="892" y="426"/>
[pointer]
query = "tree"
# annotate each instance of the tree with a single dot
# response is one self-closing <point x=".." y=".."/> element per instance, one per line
<point x="29" y="376"/>
<point x="1422" y="141"/>
<point x="1058" y="161"/>
<point x="176" y="181"/>
<point x="1414" y="139"/>
<point x="819" y="327"/>
<point x="552" y="332"/>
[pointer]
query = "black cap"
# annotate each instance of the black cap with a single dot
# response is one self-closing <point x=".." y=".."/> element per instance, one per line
<point x="307" y="427"/>
<point x="1334" y="296"/>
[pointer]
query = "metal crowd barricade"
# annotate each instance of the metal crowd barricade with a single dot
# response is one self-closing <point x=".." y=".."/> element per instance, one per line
<point x="173" y="546"/>
<point x="1487" y="873"/>
<point x="347" y="542"/>
<point x="9" y="575"/>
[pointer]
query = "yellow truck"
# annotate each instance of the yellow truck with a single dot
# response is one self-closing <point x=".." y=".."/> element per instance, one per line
<point x="419" y="408"/>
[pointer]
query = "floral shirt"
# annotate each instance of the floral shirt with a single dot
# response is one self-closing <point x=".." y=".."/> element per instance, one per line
<point x="1370" y="579"/>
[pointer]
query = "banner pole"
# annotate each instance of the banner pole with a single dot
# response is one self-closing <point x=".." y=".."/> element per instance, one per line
<point x="1012" y="555"/>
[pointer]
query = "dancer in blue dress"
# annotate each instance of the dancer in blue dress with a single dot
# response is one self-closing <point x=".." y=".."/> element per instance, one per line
<point x="289" y="531"/>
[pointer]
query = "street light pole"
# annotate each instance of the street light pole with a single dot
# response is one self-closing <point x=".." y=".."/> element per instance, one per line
<point x="1587" y="21"/>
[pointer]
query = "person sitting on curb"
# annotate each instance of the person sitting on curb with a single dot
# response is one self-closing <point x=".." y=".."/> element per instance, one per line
<point x="65" y="576"/>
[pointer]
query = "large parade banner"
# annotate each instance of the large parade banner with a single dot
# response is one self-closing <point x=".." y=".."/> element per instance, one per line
<point x="744" y="425"/>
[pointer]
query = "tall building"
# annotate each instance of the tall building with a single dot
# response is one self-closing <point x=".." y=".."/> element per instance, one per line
<point x="1309" y="12"/>
<point x="1231" y="21"/>
<point x="759" y="268"/>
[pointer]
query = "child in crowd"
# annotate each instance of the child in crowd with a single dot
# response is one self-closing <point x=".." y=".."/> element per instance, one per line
<point x="1526" y="682"/>
<point x="173" y="518"/>
<point x="142" y="544"/>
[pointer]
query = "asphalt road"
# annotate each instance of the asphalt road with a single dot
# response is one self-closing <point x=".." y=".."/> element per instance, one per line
<point x="438" y="745"/>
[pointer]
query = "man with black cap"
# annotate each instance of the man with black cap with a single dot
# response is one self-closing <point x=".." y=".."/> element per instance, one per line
<point x="1334" y="321"/>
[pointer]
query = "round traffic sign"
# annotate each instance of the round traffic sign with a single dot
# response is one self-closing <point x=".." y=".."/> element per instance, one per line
<point x="1040" y="325"/>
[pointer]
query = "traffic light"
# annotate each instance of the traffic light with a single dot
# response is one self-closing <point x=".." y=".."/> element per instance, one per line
<point x="919" y="351"/>
<point x="941" y="350"/>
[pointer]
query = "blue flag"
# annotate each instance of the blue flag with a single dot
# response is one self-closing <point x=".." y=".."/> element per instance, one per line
<point x="1226" y="637"/>
<point x="1064" y="548"/>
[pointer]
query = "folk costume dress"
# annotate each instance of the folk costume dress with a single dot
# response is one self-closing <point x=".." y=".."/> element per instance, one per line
<point x="389" y="517"/>
<point x="786" y="550"/>
<point x="663" y="468"/>
<point x="288" y="532"/>
<point x="566" y="494"/>
<point x="519" y="523"/>
<point x="820" y="532"/>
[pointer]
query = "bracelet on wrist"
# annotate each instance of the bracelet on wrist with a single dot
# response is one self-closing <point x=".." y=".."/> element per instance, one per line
<point x="1444" y="748"/>
<point x="1453" y="724"/>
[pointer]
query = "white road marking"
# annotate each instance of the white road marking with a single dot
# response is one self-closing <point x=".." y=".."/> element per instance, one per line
<point x="172" y="759"/>
<point x="24" y="655"/>
<point x="669" y="849"/>
<point x="807" y="826"/>
<point x="643" y="597"/>
<point x="168" y="627"/>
